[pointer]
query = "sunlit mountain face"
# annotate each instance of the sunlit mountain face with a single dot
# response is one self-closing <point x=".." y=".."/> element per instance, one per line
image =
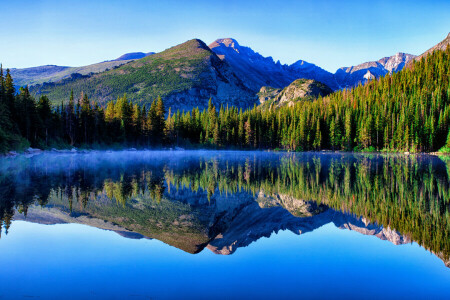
<point x="224" y="201"/>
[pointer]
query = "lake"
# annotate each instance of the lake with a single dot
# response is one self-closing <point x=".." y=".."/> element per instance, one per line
<point x="224" y="224"/>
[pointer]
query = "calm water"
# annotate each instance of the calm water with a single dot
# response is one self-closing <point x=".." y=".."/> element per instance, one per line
<point x="201" y="225"/>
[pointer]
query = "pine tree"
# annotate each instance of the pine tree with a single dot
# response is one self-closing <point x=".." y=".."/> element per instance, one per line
<point x="160" y="120"/>
<point x="45" y="114"/>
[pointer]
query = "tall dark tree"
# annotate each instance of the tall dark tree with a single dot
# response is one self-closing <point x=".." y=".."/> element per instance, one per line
<point x="44" y="111"/>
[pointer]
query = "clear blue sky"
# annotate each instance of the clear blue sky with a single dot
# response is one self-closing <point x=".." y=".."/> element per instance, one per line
<point x="330" y="34"/>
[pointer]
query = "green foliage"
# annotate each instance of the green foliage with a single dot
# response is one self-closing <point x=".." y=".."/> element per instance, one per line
<point x="406" y="111"/>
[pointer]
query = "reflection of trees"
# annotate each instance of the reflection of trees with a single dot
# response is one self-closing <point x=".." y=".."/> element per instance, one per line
<point x="409" y="194"/>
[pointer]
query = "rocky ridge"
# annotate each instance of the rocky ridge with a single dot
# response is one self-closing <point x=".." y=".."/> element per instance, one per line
<point x="258" y="71"/>
<point x="300" y="89"/>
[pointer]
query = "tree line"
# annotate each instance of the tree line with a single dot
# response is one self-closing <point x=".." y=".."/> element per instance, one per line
<point x="405" y="111"/>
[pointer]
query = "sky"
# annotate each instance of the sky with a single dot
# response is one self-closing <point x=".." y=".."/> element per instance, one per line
<point x="330" y="34"/>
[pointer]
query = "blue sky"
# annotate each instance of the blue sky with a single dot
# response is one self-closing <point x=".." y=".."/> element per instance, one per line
<point x="330" y="34"/>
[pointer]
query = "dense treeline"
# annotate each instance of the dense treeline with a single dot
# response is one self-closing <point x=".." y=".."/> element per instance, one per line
<point x="406" y="111"/>
<point x="80" y="122"/>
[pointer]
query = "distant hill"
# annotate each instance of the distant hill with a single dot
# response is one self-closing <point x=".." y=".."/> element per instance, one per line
<point x="300" y="89"/>
<point x="52" y="73"/>
<point x="186" y="76"/>
<point x="133" y="56"/>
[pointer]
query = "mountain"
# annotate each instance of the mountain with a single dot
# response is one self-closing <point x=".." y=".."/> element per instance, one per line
<point x="185" y="76"/>
<point x="225" y="71"/>
<point x="51" y="73"/>
<point x="133" y="56"/>
<point x="348" y="77"/>
<point x="440" y="46"/>
<point x="300" y="89"/>
<point x="37" y="75"/>
<point x="255" y="70"/>
<point x="223" y="225"/>
<point x="303" y="69"/>
<point x="258" y="71"/>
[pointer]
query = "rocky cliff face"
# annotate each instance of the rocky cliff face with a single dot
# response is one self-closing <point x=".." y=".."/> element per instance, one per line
<point x="218" y="81"/>
<point x="300" y="89"/>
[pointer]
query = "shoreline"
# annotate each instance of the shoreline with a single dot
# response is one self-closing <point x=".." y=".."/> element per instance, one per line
<point x="35" y="151"/>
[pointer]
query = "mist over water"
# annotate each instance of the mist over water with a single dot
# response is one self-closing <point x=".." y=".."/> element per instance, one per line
<point x="228" y="203"/>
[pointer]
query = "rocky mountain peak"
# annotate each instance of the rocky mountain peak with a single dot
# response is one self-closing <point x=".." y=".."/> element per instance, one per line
<point x="258" y="71"/>
<point x="227" y="42"/>
<point x="302" y="65"/>
<point x="396" y="62"/>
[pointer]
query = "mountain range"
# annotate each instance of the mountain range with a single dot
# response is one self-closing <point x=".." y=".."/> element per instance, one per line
<point x="185" y="76"/>
<point x="191" y="73"/>
<point x="51" y="73"/>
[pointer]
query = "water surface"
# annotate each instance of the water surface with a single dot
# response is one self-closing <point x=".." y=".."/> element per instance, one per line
<point x="192" y="224"/>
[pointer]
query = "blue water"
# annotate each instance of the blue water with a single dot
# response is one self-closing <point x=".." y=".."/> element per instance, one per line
<point x="76" y="261"/>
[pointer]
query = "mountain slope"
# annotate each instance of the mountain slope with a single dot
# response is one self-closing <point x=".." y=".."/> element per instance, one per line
<point x="258" y="71"/>
<point x="440" y="46"/>
<point x="185" y="76"/>
<point x="52" y="73"/>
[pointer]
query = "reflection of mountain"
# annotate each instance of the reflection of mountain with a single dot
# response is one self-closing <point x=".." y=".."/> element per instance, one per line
<point x="222" y="225"/>
<point x="228" y="200"/>
<point x="52" y="215"/>
<point x="253" y="223"/>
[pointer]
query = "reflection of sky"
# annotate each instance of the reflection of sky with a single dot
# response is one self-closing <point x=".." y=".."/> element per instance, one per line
<point x="77" y="261"/>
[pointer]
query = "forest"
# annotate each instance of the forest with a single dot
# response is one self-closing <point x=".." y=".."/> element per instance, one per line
<point x="405" y="111"/>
